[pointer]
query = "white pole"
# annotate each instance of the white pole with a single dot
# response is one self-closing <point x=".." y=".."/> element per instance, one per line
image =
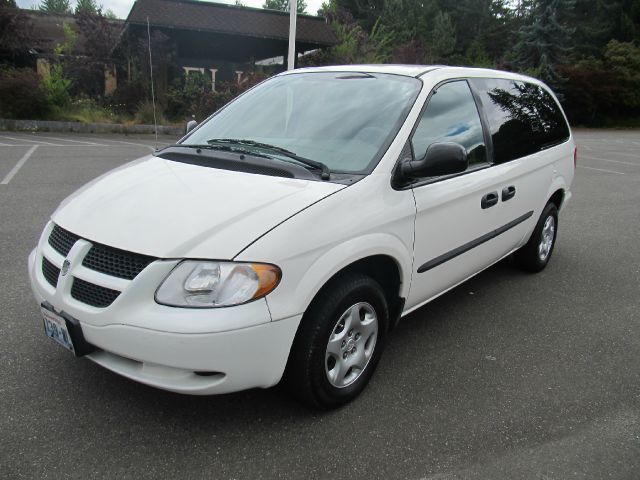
<point x="293" y="16"/>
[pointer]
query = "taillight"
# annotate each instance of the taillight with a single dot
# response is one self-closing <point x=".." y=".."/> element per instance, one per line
<point x="575" y="157"/>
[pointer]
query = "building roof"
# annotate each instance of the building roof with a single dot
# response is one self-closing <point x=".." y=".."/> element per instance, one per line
<point x="230" y="19"/>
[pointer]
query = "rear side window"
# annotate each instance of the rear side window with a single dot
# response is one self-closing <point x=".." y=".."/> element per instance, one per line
<point x="451" y="116"/>
<point x="523" y="118"/>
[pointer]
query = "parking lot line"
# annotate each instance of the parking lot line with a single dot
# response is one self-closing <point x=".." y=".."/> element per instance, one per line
<point x="18" y="166"/>
<point x="612" y="161"/>
<point x="73" y="141"/>
<point x="26" y="140"/>
<point x="601" y="170"/>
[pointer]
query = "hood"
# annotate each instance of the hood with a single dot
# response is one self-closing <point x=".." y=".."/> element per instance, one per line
<point x="169" y="209"/>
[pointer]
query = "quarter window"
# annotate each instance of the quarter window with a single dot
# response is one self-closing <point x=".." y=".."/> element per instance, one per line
<point x="451" y="116"/>
<point x="523" y="118"/>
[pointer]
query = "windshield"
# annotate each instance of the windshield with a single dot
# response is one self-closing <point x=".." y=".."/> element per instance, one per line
<point x="345" y="120"/>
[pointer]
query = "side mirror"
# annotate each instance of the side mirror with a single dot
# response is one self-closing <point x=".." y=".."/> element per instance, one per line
<point x="443" y="158"/>
<point x="191" y="124"/>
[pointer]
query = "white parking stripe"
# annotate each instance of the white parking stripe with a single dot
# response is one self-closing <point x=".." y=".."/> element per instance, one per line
<point x="72" y="141"/>
<point x="607" y="160"/>
<point x="26" y="140"/>
<point x="18" y="165"/>
<point x="601" y="170"/>
<point x="123" y="142"/>
<point x="50" y="145"/>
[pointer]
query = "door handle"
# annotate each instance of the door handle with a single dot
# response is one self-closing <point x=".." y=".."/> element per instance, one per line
<point x="508" y="192"/>
<point x="489" y="200"/>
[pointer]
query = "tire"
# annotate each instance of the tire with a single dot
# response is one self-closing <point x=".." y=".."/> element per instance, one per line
<point x="535" y="255"/>
<point x="352" y="313"/>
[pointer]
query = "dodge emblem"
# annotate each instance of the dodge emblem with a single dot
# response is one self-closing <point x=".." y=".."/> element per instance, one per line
<point x="65" y="267"/>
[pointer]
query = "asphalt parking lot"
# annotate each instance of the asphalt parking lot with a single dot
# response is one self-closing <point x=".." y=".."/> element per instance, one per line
<point x="508" y="376"/>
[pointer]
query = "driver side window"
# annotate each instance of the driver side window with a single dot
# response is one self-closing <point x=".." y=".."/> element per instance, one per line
<point x="451" y="116"/>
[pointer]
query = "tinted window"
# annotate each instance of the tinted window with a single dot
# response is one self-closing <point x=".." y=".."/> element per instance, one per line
<point x="451" y="116"/>
<point x="523" y="117"/>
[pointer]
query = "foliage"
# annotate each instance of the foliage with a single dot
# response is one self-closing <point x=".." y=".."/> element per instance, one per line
<point x="87" y="69"/>
<point x="545" y="41"/>
<point x="145" y="114"/>
<point x="86" y="110"/>
<point x="191" y="95"/>
<point x="70" y="40"/>
<point x="21" y="94"/>
<point x="56" y="86"/>
<point x="55" y="6"/>
<point x="14" y="28"/>
<point x="443" y="38"/>
<point x="283" y="5"/>
<point x="87" y="6"/>
<point x="355" y="45"/>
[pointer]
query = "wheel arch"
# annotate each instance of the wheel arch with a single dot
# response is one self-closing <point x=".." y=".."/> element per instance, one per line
<point x="386" y="271"/>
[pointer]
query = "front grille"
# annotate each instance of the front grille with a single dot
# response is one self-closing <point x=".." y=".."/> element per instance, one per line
<point x="50" y="272"/>
<point x="91" y="294"/>
<point x="62" y="240"/>
<point x="116" y="262"/>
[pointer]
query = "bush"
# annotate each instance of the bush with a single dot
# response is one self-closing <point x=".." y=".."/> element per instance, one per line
<point x="22" y="94"/>
<point x="192" y="95"/>
<point x="56" y="87"/>
<point x="144" y="114"/>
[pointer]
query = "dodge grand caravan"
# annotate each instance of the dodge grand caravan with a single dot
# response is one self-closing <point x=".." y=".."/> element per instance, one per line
<point x="285" y="236"/>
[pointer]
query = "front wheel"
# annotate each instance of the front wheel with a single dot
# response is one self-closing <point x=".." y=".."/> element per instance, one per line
<point x="535" y="255"/>
<point x="339" y="342"/>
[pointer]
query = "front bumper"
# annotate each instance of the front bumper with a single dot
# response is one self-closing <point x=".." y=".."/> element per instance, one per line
<point x="194" y="351"/>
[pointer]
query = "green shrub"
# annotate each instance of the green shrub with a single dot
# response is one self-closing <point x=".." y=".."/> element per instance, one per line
<point x="191" y="95"/>
<point x="22" y="94"/>
<point x="57" y="86"/>
<point x="144" y="114"/>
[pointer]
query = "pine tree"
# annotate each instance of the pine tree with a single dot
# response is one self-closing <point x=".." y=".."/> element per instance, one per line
<point x="55" y="6"/>
<point x="86" y="6"/>
<point x="443" y="40"/>
<point x="283" y="5"/>
<point x="545" y="41"/>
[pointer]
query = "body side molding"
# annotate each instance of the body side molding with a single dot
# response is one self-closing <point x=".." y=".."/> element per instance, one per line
<point x="472" y="244"/>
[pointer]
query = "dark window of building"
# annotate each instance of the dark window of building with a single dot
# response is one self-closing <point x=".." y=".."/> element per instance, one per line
<point x="523" y="117"/>
<point x="451" y="116"/>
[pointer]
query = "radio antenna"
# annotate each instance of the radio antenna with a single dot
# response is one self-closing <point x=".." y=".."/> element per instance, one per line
<point x="153" y="94"/>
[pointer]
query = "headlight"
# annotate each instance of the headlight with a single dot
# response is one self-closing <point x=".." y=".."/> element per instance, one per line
<point x="201" y="284"/>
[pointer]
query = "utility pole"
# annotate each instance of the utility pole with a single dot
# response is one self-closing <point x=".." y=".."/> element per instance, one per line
<point x="293" y="17"/>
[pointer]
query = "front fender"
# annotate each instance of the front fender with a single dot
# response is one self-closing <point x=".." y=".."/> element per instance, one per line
<point x="310" y="248"/>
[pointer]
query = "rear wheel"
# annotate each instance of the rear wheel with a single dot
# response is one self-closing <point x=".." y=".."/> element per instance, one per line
<point x="339" y="342"/>
<point x="535" y="255"/>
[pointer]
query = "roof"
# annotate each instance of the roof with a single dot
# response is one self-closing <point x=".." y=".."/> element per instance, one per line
<point x="230" y="19"/>
<point x="418" y="71"/>
<point x="406" y="70"/>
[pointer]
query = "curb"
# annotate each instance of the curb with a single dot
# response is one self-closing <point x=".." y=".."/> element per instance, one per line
<point x="80" y="127"/>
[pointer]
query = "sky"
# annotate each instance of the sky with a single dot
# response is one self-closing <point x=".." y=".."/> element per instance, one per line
<point x="121" y="7"/>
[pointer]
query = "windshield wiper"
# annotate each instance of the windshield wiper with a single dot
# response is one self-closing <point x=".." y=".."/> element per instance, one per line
<point x="325" y="175"/>
<point x="224" y="148"/>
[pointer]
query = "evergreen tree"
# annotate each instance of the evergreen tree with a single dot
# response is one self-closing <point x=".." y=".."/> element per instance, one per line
<point x="55" y="6"/>
<point x="545" y="41"/>
<point x="283" y="5"/>
<point x="86" y="6"/>
<point x="443" y="37"/>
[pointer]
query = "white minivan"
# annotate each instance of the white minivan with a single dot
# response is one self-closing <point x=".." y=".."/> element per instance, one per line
<point x="285" y="236"/>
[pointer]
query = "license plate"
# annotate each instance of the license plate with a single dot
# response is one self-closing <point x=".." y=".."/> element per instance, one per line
<point x="56" y="327"/>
